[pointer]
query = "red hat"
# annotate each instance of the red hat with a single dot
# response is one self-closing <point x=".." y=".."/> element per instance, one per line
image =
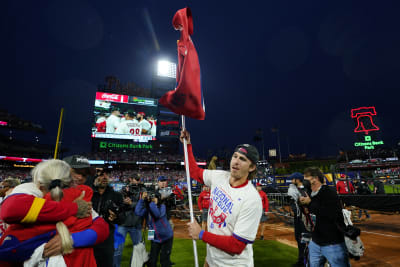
<point x="142" y="113"/>
<point x="342" y="175"/>
<point x="258" y="184"/>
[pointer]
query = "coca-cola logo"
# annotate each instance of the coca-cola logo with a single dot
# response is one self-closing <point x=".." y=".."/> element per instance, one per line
<point x="110" y="96"/>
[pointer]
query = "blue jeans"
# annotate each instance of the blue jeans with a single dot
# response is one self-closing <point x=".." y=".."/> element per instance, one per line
<point x="136" y="236"/>
<point x="360" y="213"/>
<point x="336" y="255"/>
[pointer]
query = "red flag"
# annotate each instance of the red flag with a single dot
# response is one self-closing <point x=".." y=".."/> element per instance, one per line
<point x="186" y="99"/>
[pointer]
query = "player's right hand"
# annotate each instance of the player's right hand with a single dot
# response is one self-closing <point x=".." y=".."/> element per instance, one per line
<point x="185" y="135"/>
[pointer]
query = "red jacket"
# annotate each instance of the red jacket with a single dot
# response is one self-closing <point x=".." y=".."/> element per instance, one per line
<point x="264" y="200"/>
<point x="204" y="200"/>
<point x="341" y="187"/>
<point x="79" y="257"/>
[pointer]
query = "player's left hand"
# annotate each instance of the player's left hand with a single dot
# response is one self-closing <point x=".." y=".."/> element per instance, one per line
<point x="53" y="247"/>
<point x="194" y="230"/>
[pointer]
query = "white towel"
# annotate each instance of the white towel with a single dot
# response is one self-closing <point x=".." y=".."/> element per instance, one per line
<point x="37" y="260"/>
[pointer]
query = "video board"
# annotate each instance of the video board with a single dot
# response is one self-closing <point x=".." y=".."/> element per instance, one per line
<point x="124" y="117"/>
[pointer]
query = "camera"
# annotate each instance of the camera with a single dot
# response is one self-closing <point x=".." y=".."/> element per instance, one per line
<point x="132" y="191"/>
<point x="151" y="195"/>
<point x="110" y="205"/>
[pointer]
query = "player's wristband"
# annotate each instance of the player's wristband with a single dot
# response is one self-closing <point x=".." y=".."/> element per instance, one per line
<point x="201" y="234"/>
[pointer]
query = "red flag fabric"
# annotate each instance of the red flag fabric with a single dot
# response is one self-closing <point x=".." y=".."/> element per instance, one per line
<point x="186" y="99"/>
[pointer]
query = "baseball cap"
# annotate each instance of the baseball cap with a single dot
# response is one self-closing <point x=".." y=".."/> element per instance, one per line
<point x="249" y="151"/>
<point x="130" y="112"/>
<point x="77" y="162"/>
<point x="258" y="184"/>
<point x="162" y="178"/>
<point x="296" y="175"/>
<point x="142" y="113"/>
<point x="114" y="108"/>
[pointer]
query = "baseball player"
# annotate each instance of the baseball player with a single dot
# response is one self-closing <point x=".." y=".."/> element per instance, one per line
<point x="143" y="123"/>
<point x="235" y="208"/>
<point x="101" y="124"/>
<point x="113" y="121"/>
<point x="130" y="125"/>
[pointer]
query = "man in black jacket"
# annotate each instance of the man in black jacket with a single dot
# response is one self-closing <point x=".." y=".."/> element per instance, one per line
<point x="133" y="223"/>
<point x="299" y="228"/>
<point x="107" y="203"/>
<point x="327" y="238"/>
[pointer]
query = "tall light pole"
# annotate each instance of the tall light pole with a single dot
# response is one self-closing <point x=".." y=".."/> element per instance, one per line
<point x="276" y="130"/>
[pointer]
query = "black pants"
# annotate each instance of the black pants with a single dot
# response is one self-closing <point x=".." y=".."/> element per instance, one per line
<point x="298" y="229"/>
<point x="164" y="249"/>
<point x="104" y="252"/>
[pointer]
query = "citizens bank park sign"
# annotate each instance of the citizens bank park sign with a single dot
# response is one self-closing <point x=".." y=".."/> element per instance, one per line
<point x="111" y="145"/>
<point x="363" y="118"/>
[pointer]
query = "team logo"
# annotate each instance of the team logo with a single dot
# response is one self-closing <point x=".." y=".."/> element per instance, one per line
<point x="243" y="150"/>
<point x="220" y="207"/>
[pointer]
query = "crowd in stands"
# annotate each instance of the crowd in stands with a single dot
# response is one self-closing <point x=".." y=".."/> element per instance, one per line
<point x="21" y="174"/>
<point x="141" y="156"/>
<point x="147" y="176"/>
<point x="388" y="171"/>
<point x="360" y="154"/>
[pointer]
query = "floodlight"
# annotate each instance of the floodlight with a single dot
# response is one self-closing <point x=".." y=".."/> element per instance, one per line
<point x="166" y="69"/>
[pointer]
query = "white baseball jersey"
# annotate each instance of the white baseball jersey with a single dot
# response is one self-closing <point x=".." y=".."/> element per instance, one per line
<point x="112" y="123"/>
<point x="129" y="127"/>
<point x="145" y="125"/>
<point x="233" y="211"/>
<point x="153" y="128"/>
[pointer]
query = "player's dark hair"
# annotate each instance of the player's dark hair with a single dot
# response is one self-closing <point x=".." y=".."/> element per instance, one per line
<point x="252" y="174"/>
<point x="315" y="172"/>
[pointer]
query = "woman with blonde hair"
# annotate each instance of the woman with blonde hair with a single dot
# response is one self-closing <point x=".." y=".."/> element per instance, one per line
<point x="21" y="242"/>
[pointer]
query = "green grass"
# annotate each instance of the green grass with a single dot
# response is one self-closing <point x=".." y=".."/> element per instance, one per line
<point x="266" y="253"/>
<point x="389" y="189"/>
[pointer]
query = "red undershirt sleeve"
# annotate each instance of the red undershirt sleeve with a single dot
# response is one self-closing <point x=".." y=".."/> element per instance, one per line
<point x="228" y="244"/>
<point x="195" y="171"/>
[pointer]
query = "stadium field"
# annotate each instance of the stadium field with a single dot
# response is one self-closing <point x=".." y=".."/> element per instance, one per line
<point x="266" y="253"/>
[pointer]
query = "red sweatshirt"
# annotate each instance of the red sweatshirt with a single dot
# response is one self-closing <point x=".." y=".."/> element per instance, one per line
<point x="264" y="200"/>
<point x="204" y="200"/>
<point x="342" y="187"/>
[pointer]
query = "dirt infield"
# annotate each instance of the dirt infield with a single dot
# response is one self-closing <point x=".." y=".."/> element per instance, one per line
<point x="380" y="235"/>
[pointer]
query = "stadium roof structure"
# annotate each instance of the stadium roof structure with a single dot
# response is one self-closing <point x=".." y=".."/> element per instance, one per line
<point x="10" y="121"/>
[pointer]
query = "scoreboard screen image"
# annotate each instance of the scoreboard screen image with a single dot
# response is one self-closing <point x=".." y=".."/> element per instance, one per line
<point x="125" y="117"/>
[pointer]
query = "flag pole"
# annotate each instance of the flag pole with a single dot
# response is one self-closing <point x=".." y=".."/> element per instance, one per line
<point x="196" y="263"/>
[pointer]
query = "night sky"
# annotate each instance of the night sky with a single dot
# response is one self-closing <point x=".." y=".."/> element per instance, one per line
<point x="299" y="66"/>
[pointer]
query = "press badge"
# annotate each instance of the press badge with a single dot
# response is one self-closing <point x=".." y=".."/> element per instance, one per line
<point x="150" y="235"/>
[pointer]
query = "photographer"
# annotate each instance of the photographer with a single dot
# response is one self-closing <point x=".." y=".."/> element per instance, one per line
<point x="160" y="231"/>
<point x="133" y="223"/>
<point x="165" y="194"/>
<point x="107" y="203"/>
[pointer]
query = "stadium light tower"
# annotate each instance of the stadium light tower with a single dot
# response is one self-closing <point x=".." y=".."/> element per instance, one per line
<point x="166" y="69"/>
